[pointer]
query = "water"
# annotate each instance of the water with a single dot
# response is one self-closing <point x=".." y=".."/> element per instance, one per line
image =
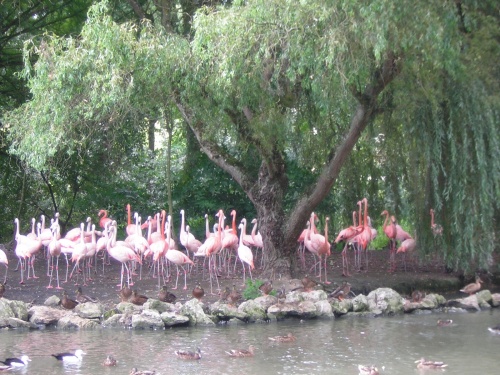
<point x="322" y="347"/>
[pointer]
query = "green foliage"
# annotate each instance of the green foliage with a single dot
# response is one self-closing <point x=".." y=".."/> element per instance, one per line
<point x="251" y="290"/>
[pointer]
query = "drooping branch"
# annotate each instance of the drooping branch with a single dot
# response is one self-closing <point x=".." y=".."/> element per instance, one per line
<point x="364" y="113"/>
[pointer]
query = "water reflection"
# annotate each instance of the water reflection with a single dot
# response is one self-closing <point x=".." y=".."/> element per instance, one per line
<point x="322" y="347"/>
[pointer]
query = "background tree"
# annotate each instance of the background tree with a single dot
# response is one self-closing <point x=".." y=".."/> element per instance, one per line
<point x="278" y="95"/>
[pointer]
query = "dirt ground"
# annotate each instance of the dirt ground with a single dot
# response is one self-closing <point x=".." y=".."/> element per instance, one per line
<point x="429" y="276"/>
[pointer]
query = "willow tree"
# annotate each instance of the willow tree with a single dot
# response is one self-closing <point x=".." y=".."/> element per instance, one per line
<point x="261" y="84"/>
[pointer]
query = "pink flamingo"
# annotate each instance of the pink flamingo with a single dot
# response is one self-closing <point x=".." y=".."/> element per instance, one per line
<point x="365" y="237"/>
<point x="24" y="247"/>
<point x="437" y="229"/>
<point x="348" y="234"/>
<point x="104" y="220"/>
<point x="244" y="252"/>
<point x="210" y="248"/>
<point x="130" y="228"/>
<point x="120" y="251"/>
<point x="390" y="232"/>
<point x="258" y="242"/>
<point x="159" y="247"/>
<point x="5" y="262"/>
<point x="407" y="246"/>
<point x="230" y="241"/>
<point x="318" y="245"/>
<point x="79" y="252"/>
<point x="54" y="251"/>
<point x="178" y="258"/>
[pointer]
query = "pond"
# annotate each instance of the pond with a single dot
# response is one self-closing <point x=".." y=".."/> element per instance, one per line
<point x="334" y="346"/>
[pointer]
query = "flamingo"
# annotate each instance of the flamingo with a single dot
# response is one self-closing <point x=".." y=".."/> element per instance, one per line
<point x="257" y="240"/>
<point x="24" y="248"/>
<point x="193" y="244"/>
<point x="244" y="252"/>
<point x="365" y="237"/>
<point x="185" y="237"/>
<point x="54" y="251"/>
<point x="104" y="220"/>
<point x="159" y="247"/>
<point x="319" y="245"/>
<point x="390" y="232"/>
<point x="79" y="252"/>
<point x="177" y="257"/>
<point x="210" y="247"/>
<point x="120" y="251"/>
<point x="437" y="229"/>
<point x="346" y="235"/>
<point x="5" y="262"/>
<point x="230" y="239"/>
<point x="130" y="228"/>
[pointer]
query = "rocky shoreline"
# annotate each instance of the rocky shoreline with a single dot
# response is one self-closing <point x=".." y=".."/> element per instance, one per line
<point x="300" y="305"/>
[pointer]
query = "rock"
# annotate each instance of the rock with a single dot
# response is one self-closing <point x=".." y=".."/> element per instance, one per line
<point x="128" y="307"/>
<point x="429" y="302"/>
<point x="46" y="315"/>
<point x="266" y="301"/>
<point x="324" y="309"/>
<point x="495" y="299"/>
<point x="193" y="309"/>
<point x="13" y="309"/>
<point x="299" y="296"/>
<point x="467" y="303"/>
<point x="224" y="312"/>
<point x="52" y="301"/>
<point x="72" y="321"/>
<point x="16" y="323"/>
<point x="341" y="307"/>
<point x="385" y="301"/>
<point x="253" y="310"/>
<point x="171" y="319"/>
<point x="161" y="307"/>
<point x="360" y="303"/>
<point x="89" y="310"/>
<point x="484" y="298"/>
<point x="148" y="319"/>
<point x="119" y="320"/>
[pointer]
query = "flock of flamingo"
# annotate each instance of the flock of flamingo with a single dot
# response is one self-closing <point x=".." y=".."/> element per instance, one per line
<point x="85" y="245"/>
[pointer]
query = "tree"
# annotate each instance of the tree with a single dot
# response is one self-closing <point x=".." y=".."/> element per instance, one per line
<point x="264" y="86"/>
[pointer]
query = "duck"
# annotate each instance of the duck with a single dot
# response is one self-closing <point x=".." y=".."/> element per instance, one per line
<point x="66" y="357"/>
<point x="165" y="296"/>
<point x="17" y="362"/>
<point x="242" y="352"/>
<point x="82" y="298"/>
<point x="234" y="296"/>
<point x="198" y="292"/>
<point x="308" y="283"/>
<point x="134" y="371"/>
<point x="281" y="294"/>
<point x="422" y="364"/>
<point x="109" y="361"/>
<point x="495" y="329"/>
<point x="288" y="338"/>
<point x="185" y="354"/>
<point x="138" y="299"/>
<point x="444" y="322"/>
<point x="224" y="294"/>
<point x="67" y="302"/>
<point x="417" y="296"/>
<point x="367" y="370"/>
<point x="5" y="368"/>
<point x="266" y="288"/>
<point x="472" y="287"/>
<point x="342" y="291"/>
<point x="125" y="293"/>
<point x="2" y="289"/>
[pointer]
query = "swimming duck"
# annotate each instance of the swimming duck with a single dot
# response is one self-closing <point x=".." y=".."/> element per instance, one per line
<point x="82" y="298"/>
<point x="5" y="368"/>
<point x="342" y="291"/>
<point x="288" y="338"/>
<point x="138" y="299"/>
<point x="367" y="370"/>
<point x="234" y="296"/>
<point x="444" y="322"/>
<point x="165" y="296"/>
<point x="2" y="289"/>
<point x="308" y="284"/>
<point x="198" y="292"/>
<point x="266" y="288"/>
<point x="70" y="357"/>
<point x="472" y="287"/>
<point x="67" y="302"/>
<point x="109" y="361"/>
<point x="242" y="352"/>
<point x="184" y="354"/>
<point x="495" y="329"/>
<point x="17" y="362"/>
<point x="422" y="364"/>
<point x="134" y="371"/>
<point x="125" y="293"/>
